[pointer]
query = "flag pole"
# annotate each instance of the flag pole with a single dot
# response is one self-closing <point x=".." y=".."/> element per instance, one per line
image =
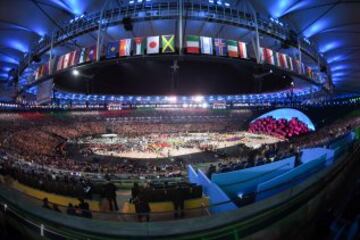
<point x="98" y="42"/>
<point x="299" y="49"/>
<point x="180" y="26"/>
<point x="51" y="53"/>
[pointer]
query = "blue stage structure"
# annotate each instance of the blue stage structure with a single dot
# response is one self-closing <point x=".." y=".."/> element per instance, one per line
<point x="218" y="199"/>
<point x="341" y="144"/>
<point x="267" y="180"/>
<point x="245" y="181"/>
<point x="313" y="160"/>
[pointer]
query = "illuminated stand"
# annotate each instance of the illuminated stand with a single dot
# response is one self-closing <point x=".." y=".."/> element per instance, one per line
<point x="112" y="14"/>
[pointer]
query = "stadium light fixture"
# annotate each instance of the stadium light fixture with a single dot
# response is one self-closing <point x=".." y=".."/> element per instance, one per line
<point x="198" y="99"/>
<point x="172" y="99"/>
<point x="227" y="4"/>
<point x="75" y="72"/>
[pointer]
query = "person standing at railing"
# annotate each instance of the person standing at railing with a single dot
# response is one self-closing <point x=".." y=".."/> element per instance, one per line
<point x="46" y="203"/>
<point x="178" y="200"/>
<point x="110" y="195"/>
<point x="142" y="208"/>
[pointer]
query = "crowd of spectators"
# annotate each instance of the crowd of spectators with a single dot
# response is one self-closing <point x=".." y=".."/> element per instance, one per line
<point x="247" y="157"/>
<point x="279" y="127"/>
<point x="34" y="154"/>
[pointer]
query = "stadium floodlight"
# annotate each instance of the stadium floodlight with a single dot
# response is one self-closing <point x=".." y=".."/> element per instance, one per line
<point x="171" y="99"/>
<point x="131" y="2"/>
<point x="198" y="98"/>
<point x="227" y="4"/>
<point x="75" y="72"/>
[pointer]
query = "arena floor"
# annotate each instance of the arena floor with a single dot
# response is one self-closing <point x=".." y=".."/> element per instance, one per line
<point x="151" y="146"/>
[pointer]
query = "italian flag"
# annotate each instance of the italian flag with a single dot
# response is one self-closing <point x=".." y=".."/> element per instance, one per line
<point x="232" y="49"/>
<point x="192" y="44"/>
<point x="242" y="50"/>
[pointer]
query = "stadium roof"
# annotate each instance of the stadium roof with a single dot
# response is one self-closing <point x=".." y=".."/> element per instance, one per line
<point x="331" y="24"/>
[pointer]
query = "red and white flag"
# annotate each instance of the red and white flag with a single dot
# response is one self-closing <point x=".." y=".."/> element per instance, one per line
<point x="152" y="46"/>
<point x="242" y="50"/>
<point x="125" y="47"/>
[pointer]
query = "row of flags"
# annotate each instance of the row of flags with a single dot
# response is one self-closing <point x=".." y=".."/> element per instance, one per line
<point x="136" y="46"/>
<point x="166" y="44"/>
<point x="221" y="47"/>
<point x="284" y="61"/>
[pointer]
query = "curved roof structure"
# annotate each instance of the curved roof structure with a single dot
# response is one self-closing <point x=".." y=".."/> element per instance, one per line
<point x="331" y="25"/>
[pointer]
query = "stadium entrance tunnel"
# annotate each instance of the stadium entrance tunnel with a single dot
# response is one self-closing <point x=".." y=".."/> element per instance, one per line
<point x="178" y="75"/>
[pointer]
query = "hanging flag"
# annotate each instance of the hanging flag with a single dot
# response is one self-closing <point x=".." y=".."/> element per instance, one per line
<point x="297" y="65"/>
<point x="192" y="44"/>
<point x="60" y="63"/>
<point x="308" y="72"/>
<point x="112" y="50"/>
<point x="290" y="63"/>
<point x="243" y="50"/>
<point x="45" y="69"/>
<point x="220" y="47"/>
<point x="82" y="56"/>
<point x="91" y="54"/>
<point x="303" y="68"/>
<point x="206" y="45"/>
<point x="38" y="72"/>
<point x="139" y="46"/>
<point x="168" y="43"/>
<point x="232" y="48"/>
<point x="125" y="47"/>
<point x="52" y="65"/>
<point x="73" y="58"/>
<point x="66" y="60"/>
<point x="267" y="56"/>
<point x="281" y="60"/>
<point x="152" y="46"/>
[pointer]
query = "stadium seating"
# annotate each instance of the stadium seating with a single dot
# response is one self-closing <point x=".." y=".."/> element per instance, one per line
<point x="279" y="127"/>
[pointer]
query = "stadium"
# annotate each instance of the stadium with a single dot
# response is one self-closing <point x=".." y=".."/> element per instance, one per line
<point x="179" y="119"/>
